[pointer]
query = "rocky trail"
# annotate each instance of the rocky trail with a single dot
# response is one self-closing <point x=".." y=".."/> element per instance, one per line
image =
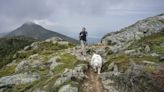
<point x="92" y="83"/>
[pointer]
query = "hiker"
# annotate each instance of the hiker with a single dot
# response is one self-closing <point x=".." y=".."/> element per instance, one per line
<point x="83" y="39"/>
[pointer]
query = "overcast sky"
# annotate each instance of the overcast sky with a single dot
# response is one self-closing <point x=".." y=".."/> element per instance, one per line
<point x="68" y="16"/>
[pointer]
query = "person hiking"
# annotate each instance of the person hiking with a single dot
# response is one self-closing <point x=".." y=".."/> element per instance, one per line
<point x="83" y="39"/>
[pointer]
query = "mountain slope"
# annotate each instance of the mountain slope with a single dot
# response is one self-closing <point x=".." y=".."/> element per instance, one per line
<point x="10" y="45"/>
<point x="38" y="32"/>
<point x="123" y="38"/>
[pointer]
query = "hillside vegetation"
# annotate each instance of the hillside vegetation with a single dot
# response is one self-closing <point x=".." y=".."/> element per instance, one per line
<point x="10" y="45"/>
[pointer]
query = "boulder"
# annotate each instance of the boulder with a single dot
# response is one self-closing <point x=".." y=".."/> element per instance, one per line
<point x="148" y="62"/>
<point x="34" y="45"/>
<point x="111" y="66"/>
<point x="154" y="55"/>
<point x="53" y="62"/>
<point x="68" y="74"/>
<point x="68" y="88"/>
<point x="54" y="39"/>
<point x="161" y="59"/>
<point x="129" y="52"/>
<point x="147" y="49"/>
<point x="26" y="48"/>
<point x="22" y="66"/>
<point x="21" y="78"/>
<point x="162" y="44"/>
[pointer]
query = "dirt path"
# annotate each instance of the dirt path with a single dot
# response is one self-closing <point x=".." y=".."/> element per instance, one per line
<point x="92" y="83"/>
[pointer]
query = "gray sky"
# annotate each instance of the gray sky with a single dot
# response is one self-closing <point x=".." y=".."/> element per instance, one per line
<point x="68" y="16"/>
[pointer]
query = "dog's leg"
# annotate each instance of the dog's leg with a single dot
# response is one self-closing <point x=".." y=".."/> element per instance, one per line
<point x="99" y="69"/>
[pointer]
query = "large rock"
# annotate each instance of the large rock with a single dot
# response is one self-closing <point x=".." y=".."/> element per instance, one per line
<point x="122" y="39"/>
<point x="68" y="74"/>
<point x="21" y="78"/>
<point x="68" y="88"/>
<point x="22" y="66"/>
<point x="147" y="49"/>
<point x="161" y="59"/>
<point x="129" y="52"/>
<point x="53" y="62"/>
<point x="162" y="44"/>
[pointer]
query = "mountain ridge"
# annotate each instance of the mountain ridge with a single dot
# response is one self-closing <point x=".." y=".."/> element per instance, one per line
<point x="30" y="29"/>
<point x="121" y="39"/>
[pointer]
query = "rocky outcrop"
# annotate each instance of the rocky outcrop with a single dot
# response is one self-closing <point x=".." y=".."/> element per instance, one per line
<point x="57" y="40"/>
<point x="122" y="39"/>
<point x="53" y="62"/>
<point x="22" y="66"/>
<point x="68" y="88"/>
<point x="134" y="79"/>
<point x="68" y="74"/>
<point x="21" y="78"/>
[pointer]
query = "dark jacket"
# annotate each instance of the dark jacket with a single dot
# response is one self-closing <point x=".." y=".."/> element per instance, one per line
<point x="83" y="35"/>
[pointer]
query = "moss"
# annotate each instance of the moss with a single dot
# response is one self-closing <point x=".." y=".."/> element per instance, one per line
<point x="7" y="70"/>
<point x="158" y="49"/>
<point x="67" y="60"/>
<point x="122" y="60"/>
<point x="150" y="68"/>
<point x="21" y="87"/>
<point x="153" y="41"/>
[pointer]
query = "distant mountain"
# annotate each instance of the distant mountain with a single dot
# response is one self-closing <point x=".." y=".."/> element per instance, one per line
<point x="36" y="31"/>
<point x="3" y="34"/>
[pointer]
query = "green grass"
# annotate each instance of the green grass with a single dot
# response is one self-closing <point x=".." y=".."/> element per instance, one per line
<point x="153" y="41"/>
<point x="7" y="70"/>
<point x="10" y="45"/>
<point x="123" y="61"/>
<point x="68" y="61"/>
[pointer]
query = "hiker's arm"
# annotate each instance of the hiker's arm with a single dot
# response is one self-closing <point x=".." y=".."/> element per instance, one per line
<point x="79" y="36"/>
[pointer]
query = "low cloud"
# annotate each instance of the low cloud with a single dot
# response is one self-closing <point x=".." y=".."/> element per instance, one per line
<point x="68" y="16"/>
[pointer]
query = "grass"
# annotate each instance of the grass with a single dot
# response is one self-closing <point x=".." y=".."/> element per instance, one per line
<point x="67" y="60"/>
<point x="122" y="61"/>
<point x="7" y="70"/>
<point x="153" y="41"/>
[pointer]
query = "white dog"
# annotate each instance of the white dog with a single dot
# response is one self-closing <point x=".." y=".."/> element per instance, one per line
<point x="96" y="63"/>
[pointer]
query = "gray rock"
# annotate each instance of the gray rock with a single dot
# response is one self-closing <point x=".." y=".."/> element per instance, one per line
<point x="77" y="72"/>
<point x="36" y="64"/>
<point x="53" y="62"/>
<point x="130" y="51"/>
<point x="147" y="49"/>
<point x="154" y="55"/>
<point x="120" y="40"/>
<point x="161" y="59"/>
<point x="37" y="90"/>
<point x="111" y="66"/>
<point x="21" y="78"/>
<point x="162" y="44"/>
<point x="33" y="56"/>
<point x="148" y="62"/>
<point x="108" y="82"/>
<point x="68" y="88"/>
<point x="26" y="48"/>
<point x="115" y="68"/>
<point x="22" y="66"/>
<point x="34" y="45"/>
<point x="54" y="39"/>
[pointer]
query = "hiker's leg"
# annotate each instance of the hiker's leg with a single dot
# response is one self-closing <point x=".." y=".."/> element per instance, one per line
<point x="84" y="49"/>
<point x="82" y="46"/>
